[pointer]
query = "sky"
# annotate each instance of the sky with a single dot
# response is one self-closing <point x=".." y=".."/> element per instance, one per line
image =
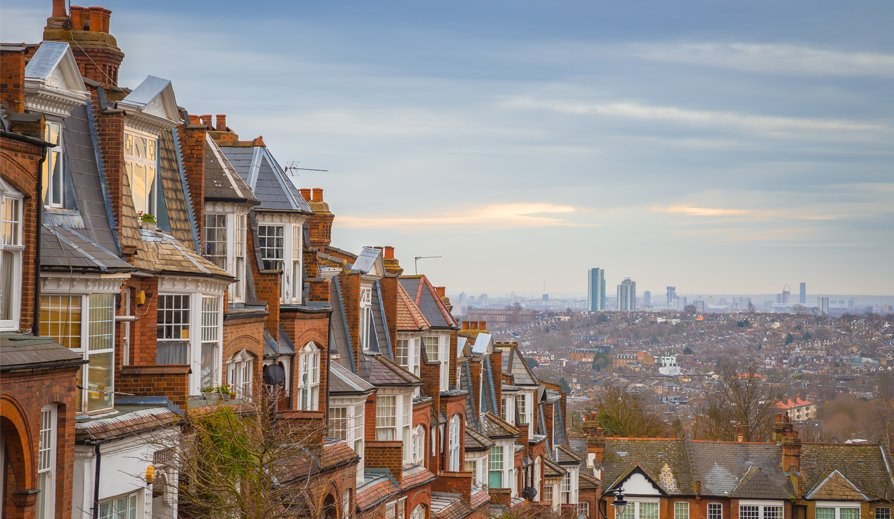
<point x="718" y="146"/>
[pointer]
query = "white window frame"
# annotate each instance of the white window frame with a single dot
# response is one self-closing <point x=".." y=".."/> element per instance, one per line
<point x="131" y="503"/>
<point x="309" y="377"/>
<point x="11" y="250"/>
<point x="583" y="509"/>
<point x="211" y="335"/>
<point x="716" y="509"/>
<point x="679" y="508"/>
<point x="394" y="420"/>
<point x="230" y="235"/>
<point x="288" y="257"/>
<point x="149" y="200"/>
<point x="838" y="506"/>
<point x="46" y="460"/>
<point x="353" y="426"/>
<point x="453" y="443"/>
<point x="634" y="508"/>
<point x="240" y="374"/>
<point x="194" y="327"/>
<point x="886" y="512"/>
<point x="442" y="358"/>
<point x="419" y="445"/>
<point x="507" y="408"/>
<point x="54" y="164"/>
<point x="762" y="507"/>
<point x="538" y="475"/>
<point x="89" y="339"/>
<point x="366" y="317"/>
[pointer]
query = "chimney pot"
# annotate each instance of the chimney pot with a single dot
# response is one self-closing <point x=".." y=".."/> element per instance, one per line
<point x="206" y="119"/>
<point x="305" y="193"/>
<point x="441" y="291"/>
<point x="195" y="120"/>
<point x="389" y="252"/>
<point x="221" y="124"/>
<point x="59" y="9"/>
<point x="482" y="325"/>
<point x="316" y="194"/>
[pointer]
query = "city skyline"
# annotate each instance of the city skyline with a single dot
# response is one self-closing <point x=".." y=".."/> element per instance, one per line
<point x="722" y="153"/>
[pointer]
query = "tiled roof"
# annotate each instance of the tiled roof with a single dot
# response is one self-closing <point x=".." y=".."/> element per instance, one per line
<point x="409" y="317"/>
<point x="415" y="477"/>
<point x="495" y="427"/>
<point x="566" y="456"/>
<point x="792" y="403"/>
<point x="514" y="364"/>
<point x="382" y="371"/>
<point x="651" y="456"/>
<point x="128" y="422"/>
<point x="476" y="441"/>
<point x="426" y="298"/>
<point x="757" y="485"/>
<point x="552" y="469"/>
<point x="722" y="465"/>
<point x="446" y="505"/>
<point x="343" y="381"/>
<point x="222" y="182"/>
<point x="129" y="235"/>
<point x="479" y="499"/>
<point x="866" y="466"/>
<point x="162" y="253"/>
<point x="181" y="217"/>
<point x="337" y="454"/>
<point x="19" y="351"/>
<point x="836" y="487"/>
<point x="375" y="490"/>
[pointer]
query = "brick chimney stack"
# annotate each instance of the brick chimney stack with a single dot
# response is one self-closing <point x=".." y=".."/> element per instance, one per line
<point x="87" y="30"/>
<point x="319" y="224"/>
<point x="791" y="449"/>
<point x="595" y="440"/>
<point x="12" y="78"/>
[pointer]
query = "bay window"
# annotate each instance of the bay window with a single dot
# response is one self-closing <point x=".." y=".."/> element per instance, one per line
<point x="119" y="507"/>
<point x="522" y="407"/>
<point x="189" y="332"/>
<point x="46" y="462"/>
<point x="366" y="320"/>
<point x="436" y="351"/>
<point x="495" y="479"/>
<point x="225" y="246"/>
<point x="309" y="378"/>
<point x="507" y="409"/>
<point x="394" y="420"/>
<point x="346" y="422"/>
<point x="453" y="445"/>
<point x="281" y="245"/>
<point x="11" y="248"/>
<point x="52" y="174"/>
<point x="141" y="167"/>
<point x="86" y="325"/>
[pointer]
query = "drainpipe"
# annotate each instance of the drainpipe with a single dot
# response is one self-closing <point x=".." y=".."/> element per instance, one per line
<point x="35" y="320"/>
<point x="98" y="453"/>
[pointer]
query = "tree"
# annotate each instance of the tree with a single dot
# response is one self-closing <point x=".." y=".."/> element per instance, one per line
<point x="623" y="414"/>
<point x="532" y="363"/>
<point x="789" y="338"/>
<point x="246" y="462"/>
<point x="742" y="399"/>
<point x="564" y="383"/>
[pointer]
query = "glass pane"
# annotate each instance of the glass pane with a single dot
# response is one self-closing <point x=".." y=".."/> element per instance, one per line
<point x="849" y="513"/>
<point x="102" y="315"/>
<point x="57" y="178"/>
<point x="648" y="511"/>
<point x="7" y="264"/>
<point x="496" y="479"/>
<point x="99" y="381"/>
<point x="825" y="513"/>
<point x="172" y="352"/>
<point x="209" y="361"/>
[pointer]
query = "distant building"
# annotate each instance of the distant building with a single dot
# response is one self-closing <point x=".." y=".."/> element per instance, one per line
<point x="627" y="295"/>
<point x="671" y="297"/>
<point x="803" y="296"/>
<point x="647" y="298"/>
<point x="822" y="303"/>
<point x="596" y="290"/>
<point x="798" y="410"/>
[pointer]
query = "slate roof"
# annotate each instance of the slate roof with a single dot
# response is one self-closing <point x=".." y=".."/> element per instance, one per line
<point x="130" y="420"/>
<point x="68" y="250"/>
<point x="552" y="469"/>
<point x="495" y="427"/>
<point x="340" y="342"/>
<point x="343" y="382"/>
<point x="366" y="260"/>
<point x="382" y="371"/>
<point x="758" y="485"/>
<point x="514" y="364"/>
<point x="651" y="456"/>
<point x="222" y="182"/>
<point x="19" y="351"/>
<point x="264" y="176"/>
<point x="836" y="487"/>
<point x="161" y="253"/>
<point x="566" y="456"/>
<point x="722" y="465"/>
<point x="866" y="466"/>
<point x="426" y="298"/>
<point x="476" y="441"/>
<point x="409" y="317"/>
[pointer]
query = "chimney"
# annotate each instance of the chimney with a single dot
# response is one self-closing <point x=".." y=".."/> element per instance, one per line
<point x="12" y="79"/>
<point x="319" y="224"/>
<point x="595" y="439"/>
<point x="475" y="380"/>
<point x="778" y="427"/>
<point x="221" y="123"/>
<point x="388" y="251"/>
<point x="192" y="146"/>
<point x="740" y="434"/>
<point x="496" y="367"/>
<point x="791" y="450"/>
<point x="206" y="120"/>
<point x="96" y="50"/>
<point x="441" y="291"/>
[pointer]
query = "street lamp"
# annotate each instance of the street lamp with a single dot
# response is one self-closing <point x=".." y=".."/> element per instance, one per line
<point x="619" y="503"/>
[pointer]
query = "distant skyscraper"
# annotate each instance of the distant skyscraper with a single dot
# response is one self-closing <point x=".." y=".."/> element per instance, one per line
<point x="647" y="298"/>
<point x="671" y="297"/>
<point x="596" y="290"/>
<point x="823" y="304"/>
<point x="803" y="298"/>
<point x="627" y="295"/>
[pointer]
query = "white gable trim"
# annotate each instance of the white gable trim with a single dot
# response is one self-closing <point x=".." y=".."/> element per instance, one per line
<point x="827" y="479"/>
<point x="152" y="107"/>
<point x="58" y="88"/>
<point x="636" y="484"/>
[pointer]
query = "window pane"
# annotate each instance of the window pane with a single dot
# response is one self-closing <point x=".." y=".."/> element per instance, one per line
<point x="99" y="381"/>
<point x="681" y="510"/>
<point x="825" y="513"/>
<point x="849" y="513"/>
<point x="216" y="239"/>
<point x="60" y="319"/>
<point x="7" y="280"/>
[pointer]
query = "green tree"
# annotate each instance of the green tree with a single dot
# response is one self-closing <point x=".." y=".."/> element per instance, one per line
<point x="789" y="338"/>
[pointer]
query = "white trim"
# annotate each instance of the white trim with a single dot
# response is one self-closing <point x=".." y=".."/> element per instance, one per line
<point x="64" y="283"/>
<point x="174" y="284"/>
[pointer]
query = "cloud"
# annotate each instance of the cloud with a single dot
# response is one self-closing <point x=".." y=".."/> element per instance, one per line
<point x="769" y="58"/>
<point x="689" y="210"/>
<point x="510" y="215"/>
<point x="760" y="124"/>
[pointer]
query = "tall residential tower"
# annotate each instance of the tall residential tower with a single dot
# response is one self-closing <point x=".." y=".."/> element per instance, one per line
<point x="627" y="295"/>
<point x="596" y="290"/>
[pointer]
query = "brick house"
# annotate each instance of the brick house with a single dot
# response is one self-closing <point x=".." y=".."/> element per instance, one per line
<point x="780" y="479"/>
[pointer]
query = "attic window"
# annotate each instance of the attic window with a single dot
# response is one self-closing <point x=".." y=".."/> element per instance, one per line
<point x="366" y="326"/>
<point x="52" y="174"/>
<point x="141" y="166"/>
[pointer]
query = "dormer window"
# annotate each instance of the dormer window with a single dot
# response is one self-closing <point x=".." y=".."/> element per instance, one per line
<point x="141" y="166"/>
<point x="10" y="257"/>
<point x="225" y="246"/>
<point x="281" y="249"/>
<point x="366" y="323"/>
<point x="52" y="179"/>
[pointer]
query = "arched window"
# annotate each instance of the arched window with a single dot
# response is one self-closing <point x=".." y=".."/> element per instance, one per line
<point x="309" y="378"/>
<point x="538" y="463"/>
<point x="453" y="445"/>
<point x="418" y="512"/>
<point x="239" y="374"/>
<point x="419" y="444"/>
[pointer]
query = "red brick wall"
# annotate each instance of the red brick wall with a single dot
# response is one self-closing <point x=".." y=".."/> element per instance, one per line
<point x="110" y="129"/>
<point x="267" y="287"/>
<point x="248" y="335"/>
<point x="19" y="166"/>
<point x="171" y="381"/>
<point x="192" y="144"/>
<point x="369" y="417"/>
<point x="389" y="299"/>
<point x="304" y="328"/>
<point x="452" y="348"/>
<point x="475" y="376"/>
<point x="386" y="455"/>
<point x="496" y="366"/>
<point x="456" y="482"/>
<point x="144" y="331"/>
<point x="350" y="287"/>
<point x="456" y="406"/>
<point x="12" y="80"/>
<point x="22" y="395"/>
